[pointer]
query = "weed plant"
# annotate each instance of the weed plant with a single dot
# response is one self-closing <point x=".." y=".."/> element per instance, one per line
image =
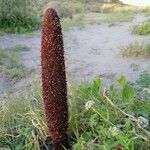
<point x="100" y="118"/>
<point x="11" y="64"/>
<point x="136" y="49"/>
<point x="143" y="29"/>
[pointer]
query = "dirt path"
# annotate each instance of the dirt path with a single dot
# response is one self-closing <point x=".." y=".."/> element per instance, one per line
<point x="94" y="51"/>
<point x="91" y="51"/>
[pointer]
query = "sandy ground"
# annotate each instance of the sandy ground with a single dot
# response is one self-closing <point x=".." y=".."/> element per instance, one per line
<point x="91" y="51"/>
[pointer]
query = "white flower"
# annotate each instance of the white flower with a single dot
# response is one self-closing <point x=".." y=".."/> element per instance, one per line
<point x="114" y="130"/>
<point x="89" y="104"/>
<point x="143" y="121"/>
<point x="147" y="90"/>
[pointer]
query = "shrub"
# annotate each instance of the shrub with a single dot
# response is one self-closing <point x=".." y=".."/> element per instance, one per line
<point x="18" y="16"/>
<point x="117" y="8"/>
<point x="143" y="29"/>
<point x="144" y="79"/>
<point x="77" y="21"/>
<point x="136" y="49"/>
<point x="145" y="10"/>
<point x="76" y="7"/>
<point x="107" y="8"/>
<point x="109" y="18"/>
<point x="62" y="10"/>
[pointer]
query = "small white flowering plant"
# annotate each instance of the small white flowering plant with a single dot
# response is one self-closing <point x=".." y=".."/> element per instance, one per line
<point x="143" y="121"/>
<point x="111" y="118"/>
<point x="89" y="104"/>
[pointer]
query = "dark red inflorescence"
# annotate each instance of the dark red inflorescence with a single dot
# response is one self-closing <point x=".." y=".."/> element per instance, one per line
<point x="119" y="147"/>
<point x="54" y="79"/>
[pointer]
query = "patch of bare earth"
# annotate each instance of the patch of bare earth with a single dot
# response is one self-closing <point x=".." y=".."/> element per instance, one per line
<point x="90" y="52"/>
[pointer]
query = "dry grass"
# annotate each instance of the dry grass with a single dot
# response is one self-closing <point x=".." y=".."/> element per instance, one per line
<point x="136" y="49"/>
<point x="11" y="63"/>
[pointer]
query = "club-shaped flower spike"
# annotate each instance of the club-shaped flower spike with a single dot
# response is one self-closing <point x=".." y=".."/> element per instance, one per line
<point x="54" y="79"/>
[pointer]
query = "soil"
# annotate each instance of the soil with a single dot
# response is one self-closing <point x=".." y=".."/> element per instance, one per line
<point x="48" y="144"/>
<point x="90" y="52"/>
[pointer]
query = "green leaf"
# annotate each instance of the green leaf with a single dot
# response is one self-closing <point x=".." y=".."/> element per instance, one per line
<point x="96" y="87"/>
<point x="122" y="81"/>
<point x="128" y="93"/>
<point x="25" y="130"/>
<point x="74" y="121"/>
<point x="87" y="136"/>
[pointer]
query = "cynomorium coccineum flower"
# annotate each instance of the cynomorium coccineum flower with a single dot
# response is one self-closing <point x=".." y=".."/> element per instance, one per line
<point x="54" y="79"/>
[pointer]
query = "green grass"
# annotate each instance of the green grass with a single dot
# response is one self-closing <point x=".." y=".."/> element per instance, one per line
<point x="136" y="49"/>
<point x="146" y="10"/>
<point x="110" y="18"/>
<point x="143" y="29"/>
<point x="2" y="33"/>
<point x="77" y="21"/>
<point x="95" y="124"/>
<point x="11" y="64"/>
<point x="22" y="122"/>
<point x="115" y="13"/>
<point x="110" y="121"/>
<point x="118" y="8"/>
<point x="82" y="20"/>
<point x="19" y="48"/>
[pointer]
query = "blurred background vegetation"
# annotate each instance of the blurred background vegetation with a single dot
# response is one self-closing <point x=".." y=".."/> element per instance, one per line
<point x="20" y="16"/>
